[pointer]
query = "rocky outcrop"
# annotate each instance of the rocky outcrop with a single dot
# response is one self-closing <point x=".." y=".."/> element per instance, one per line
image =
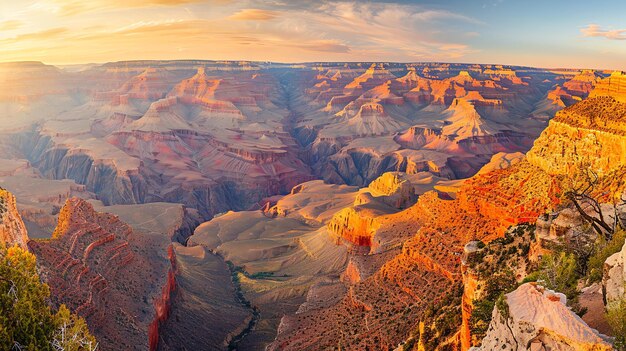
<point x="118" y="279"/>
<point x="614" y="86"/>
<point x="534" y="318"/>
<point x="394" y="189"/>
<point x="471" y="291"/>
<point x="12" y="228"/>
<point x="614" y="276"/>
<point x="582" y="83"/>
<point x="590" y="133"/>
<point x="356" y="225"/>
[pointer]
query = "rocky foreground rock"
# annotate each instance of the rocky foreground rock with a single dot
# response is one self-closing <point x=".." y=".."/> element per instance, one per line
<point x="614" y="276"/>
<point x="535" y="318"/>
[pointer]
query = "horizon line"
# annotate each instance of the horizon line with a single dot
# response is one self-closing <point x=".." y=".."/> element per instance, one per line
<point x="309" y="62"/>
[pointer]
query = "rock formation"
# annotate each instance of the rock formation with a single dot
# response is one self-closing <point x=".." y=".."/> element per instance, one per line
<point x="395" y="189"/>
<point x="326" y="265"/>
<point x="587" y="134"/>
<point x="614" y="86"/>
<point x="614" y="276"/>
<point x="205" y="312"/>
<point x="118" y="279"/>
<point x="534" y="318"/>
<point x="12" y="228"/>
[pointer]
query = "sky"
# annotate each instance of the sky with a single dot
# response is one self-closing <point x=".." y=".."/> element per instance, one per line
<point x="546" y="33"/>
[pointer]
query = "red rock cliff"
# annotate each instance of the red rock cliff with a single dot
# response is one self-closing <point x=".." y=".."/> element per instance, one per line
<point x="118" y="279"/>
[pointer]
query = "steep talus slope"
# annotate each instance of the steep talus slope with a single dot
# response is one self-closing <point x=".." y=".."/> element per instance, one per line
<point x="174" y="220"/>
<point x="118" y="279"/>
<point x="12" y="228"/>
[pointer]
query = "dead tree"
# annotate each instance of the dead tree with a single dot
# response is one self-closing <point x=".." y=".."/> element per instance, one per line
<point x="582" y="198"/>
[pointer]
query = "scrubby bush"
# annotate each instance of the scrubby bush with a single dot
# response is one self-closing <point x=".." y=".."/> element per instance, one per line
<point x="558" y="272"/>
<point x="602" y="250"/>
<point x="26" y="320"/>
<point x="616" y="316"/>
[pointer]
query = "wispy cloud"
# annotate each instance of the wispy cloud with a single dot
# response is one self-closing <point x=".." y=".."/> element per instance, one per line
<point x="77" y="7"/>
<point x="10" y="25"/>
<point x="254" y="15"/>
<point x="39" y="35"/>
<point x="594" y="30"/>
<point x="89" y="31"/>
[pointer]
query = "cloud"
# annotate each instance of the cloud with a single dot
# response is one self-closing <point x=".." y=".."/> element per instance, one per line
<point x="594" y="30"/>
<point x="389" y="31"/>
<point x="254" y="15"/>
<point x="441" y="15"/>
<point x="39" y="35"/>
<point x="250" y="30"/>
<point x="324" y="46"/>
<point x="10" y="25"/>
<point x="77" y="7"/>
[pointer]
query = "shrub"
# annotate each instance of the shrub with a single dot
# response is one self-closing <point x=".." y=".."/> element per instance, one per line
<point x="602" y="250"/>
<point x="558" y="272"/>
<point x="616" y="316"/>
<point x="26" y="320"/>
<point x="503" y="307"/>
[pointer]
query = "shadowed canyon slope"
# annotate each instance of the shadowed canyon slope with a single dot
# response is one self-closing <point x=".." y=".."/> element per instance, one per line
<point x="251" y="206"/>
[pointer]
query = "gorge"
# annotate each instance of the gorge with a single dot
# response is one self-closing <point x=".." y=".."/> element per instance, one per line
<point x="255" y="205"/>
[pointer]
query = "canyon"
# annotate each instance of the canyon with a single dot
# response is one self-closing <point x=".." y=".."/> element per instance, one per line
<point x="247" y="205"/>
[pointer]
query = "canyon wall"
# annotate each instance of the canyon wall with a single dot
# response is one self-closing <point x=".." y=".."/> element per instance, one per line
<point x="118" y="279"/>
<point x="589" y="134"/>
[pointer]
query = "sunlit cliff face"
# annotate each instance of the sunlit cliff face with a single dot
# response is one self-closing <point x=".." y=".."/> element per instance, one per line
<point x="72" y="31"/>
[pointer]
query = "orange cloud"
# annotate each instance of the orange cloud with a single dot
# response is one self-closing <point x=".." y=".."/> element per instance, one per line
<point x="339" y="30"/>
<point x="254" y="15"/>
<point x="594" y="30"/>
<point x="75" y="7"/>
<point x="40" y="35"/>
